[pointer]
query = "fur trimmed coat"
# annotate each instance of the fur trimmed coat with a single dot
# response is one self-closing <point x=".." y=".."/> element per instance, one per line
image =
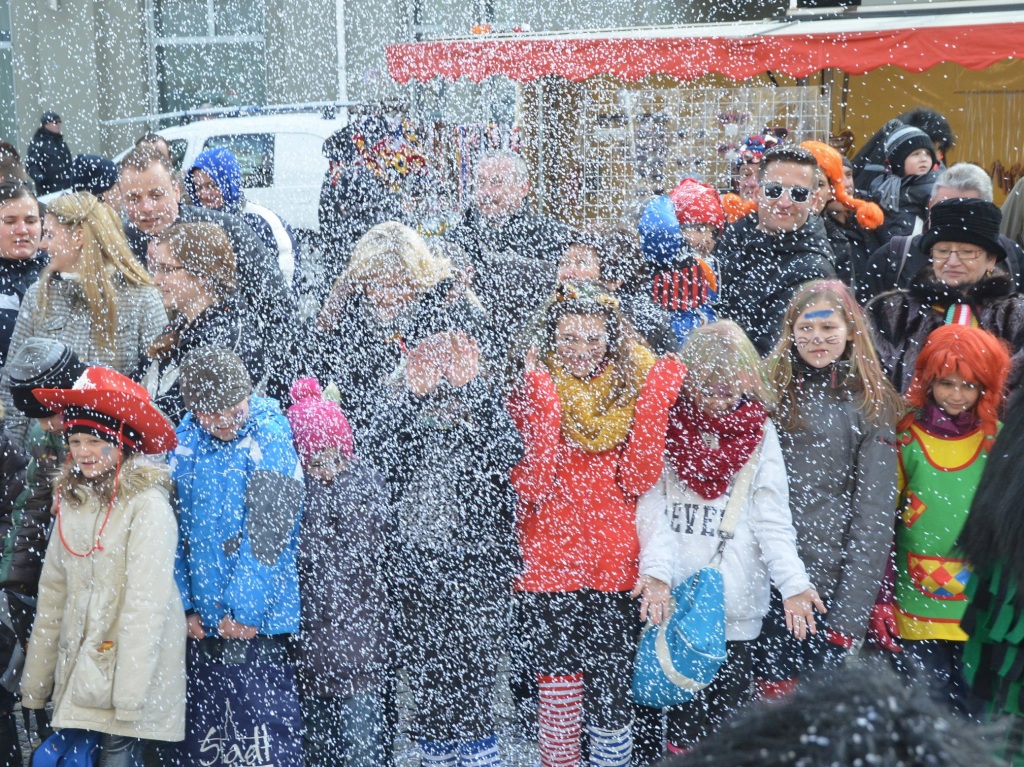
<point x="108" y="644"/>
<point x="903" y="319"/>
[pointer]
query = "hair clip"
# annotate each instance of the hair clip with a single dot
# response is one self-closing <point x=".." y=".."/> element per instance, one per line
<point x="567" y="292"/>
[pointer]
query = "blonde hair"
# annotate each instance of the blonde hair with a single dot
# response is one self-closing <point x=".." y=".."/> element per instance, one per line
<point x="875" y="396"/>
<point x="105" y="253"/>
<point x="722" y="353"/>
<point x="394" y="248"/>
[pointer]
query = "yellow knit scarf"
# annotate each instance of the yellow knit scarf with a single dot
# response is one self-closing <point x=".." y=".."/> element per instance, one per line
<point x="593" y="417"/>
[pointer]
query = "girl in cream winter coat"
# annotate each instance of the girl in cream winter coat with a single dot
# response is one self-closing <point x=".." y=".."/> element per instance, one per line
<point x="108" y="643"/>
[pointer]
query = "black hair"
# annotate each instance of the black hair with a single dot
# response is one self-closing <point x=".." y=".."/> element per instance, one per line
<point x="934" y="124"/>
<point x="860" y="714"/>
<point x="14" y="189"/>
<point x="621" y="259"/>
<point x="796" y="155"/>
<point x="994" y="530"/>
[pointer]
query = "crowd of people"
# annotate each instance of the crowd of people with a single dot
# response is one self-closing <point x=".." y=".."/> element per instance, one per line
<point x="229" y="530"/>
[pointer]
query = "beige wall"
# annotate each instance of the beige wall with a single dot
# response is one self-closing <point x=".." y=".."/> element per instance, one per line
<point x="301" y="51"/>
<point x="55" y="67"/>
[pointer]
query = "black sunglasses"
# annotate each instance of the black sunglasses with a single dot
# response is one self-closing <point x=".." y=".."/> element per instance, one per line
<point x="774" y="190"/>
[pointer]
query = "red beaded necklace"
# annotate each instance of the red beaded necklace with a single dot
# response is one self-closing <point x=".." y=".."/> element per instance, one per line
<point x="98" y="546"/>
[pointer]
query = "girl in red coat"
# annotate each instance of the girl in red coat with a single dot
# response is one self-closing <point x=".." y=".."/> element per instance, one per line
<point x="592" y="407"/>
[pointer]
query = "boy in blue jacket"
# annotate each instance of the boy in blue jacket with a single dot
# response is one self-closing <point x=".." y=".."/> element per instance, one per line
<point x="239" y="494"/>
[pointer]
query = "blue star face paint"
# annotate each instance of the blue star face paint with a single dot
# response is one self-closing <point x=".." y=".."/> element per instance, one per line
<point x="820" y="314"/>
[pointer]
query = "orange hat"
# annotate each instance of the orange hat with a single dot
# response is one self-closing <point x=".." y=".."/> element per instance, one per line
<point x="736" y="207"/>
<point x="869" y="215"/>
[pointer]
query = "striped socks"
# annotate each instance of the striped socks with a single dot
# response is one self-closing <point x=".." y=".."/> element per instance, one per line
<point x="610" y="748"/>
<point x="480" y="753"/>
<point x="560" y="717"/>
<point x="439" y="753"/>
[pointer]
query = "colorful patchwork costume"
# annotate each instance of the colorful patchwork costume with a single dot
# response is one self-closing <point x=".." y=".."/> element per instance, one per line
<point x="938" y="477"/>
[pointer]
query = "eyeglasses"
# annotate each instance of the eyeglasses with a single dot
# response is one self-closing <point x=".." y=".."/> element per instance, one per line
<point x="774" y="190"/>
<point x="154" y="268"/>
<point x="966" y="255"/>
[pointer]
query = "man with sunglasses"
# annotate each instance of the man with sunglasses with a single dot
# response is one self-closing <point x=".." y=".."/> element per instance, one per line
<point x="765" y="256"/>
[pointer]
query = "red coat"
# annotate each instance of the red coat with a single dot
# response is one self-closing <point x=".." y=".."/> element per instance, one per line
<point x="577" y="510"/>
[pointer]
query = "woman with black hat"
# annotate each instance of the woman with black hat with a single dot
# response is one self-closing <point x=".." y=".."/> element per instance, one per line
<point x="108" y="643"/>
<point x="964" y="283"/>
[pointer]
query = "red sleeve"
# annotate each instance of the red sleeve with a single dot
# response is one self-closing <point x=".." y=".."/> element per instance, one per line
<point x="537" y="414"/>
<point x="644" y="457"/>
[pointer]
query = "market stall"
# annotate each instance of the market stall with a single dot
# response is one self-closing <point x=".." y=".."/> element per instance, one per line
<point x="607" y="116"/>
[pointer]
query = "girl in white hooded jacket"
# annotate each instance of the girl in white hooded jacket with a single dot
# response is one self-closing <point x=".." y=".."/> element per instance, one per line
<point x="719" y="424"/>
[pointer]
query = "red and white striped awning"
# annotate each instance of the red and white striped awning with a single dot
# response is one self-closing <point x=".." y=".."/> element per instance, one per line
<point x="974" y="35"/>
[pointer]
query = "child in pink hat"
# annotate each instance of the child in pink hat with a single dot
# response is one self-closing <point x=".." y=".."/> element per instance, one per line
<point x="344" y="672"/>
<point x="322" y="436"/>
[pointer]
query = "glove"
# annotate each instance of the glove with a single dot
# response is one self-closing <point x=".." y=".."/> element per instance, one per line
<point x="882" y="630"/>
<point x="839" y="639"/>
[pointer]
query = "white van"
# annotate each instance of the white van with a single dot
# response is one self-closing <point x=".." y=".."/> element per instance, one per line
<point x="282" y="165"/>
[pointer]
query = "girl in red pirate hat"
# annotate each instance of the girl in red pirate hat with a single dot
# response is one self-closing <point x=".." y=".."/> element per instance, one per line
<point x="108" y="643"/>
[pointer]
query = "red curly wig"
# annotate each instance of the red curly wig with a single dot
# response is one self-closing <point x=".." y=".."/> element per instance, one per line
<point x="971" y="353"/>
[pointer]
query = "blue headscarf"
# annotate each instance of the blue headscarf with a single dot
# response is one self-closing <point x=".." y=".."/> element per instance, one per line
<point x="220" y="164"/>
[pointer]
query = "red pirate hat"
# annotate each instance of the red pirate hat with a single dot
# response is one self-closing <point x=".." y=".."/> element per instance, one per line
<point x="109" y="393"/>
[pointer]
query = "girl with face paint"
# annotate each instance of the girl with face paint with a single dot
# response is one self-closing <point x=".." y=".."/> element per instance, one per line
<point x="837" y="414"/>
<point x="956" y="395"/>
<point x="108" y="643"/>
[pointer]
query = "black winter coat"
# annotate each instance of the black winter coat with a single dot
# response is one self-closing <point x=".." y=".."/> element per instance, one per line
<point x="351" y="202"/>
<point x="16" y="277"/>
<point x="514" y="267"/>
<point x="761" y="271"/>
<point x="261" y="286"/>
<point x="344" y="561"/>
<point x="904" y="318"/>
<point x="48" y="162"/>
<point x="915" y="192"/>
<point x="28" y="525"/>
<point x="887" y="270"/>
<point x="228" y="324"/>
<point x="447" y="458"/>
<point x="362" y="356"/>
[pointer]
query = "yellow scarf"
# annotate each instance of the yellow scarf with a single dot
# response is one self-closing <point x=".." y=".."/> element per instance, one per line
<point x="592" y="417"/>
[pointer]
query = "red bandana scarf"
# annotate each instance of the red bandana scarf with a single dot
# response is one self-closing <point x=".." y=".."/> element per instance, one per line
<point x="707" y="450"/>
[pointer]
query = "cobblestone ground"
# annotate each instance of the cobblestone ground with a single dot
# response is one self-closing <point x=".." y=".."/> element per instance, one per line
<point x="514" y="750"/>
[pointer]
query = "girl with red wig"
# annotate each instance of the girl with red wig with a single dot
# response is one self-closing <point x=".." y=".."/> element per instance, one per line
<point x="956" y="393"/>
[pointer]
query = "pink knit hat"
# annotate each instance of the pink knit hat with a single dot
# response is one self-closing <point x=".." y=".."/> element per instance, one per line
<point x="317" y="423"/>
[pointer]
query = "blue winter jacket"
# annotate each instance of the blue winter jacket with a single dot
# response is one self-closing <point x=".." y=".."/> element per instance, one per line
<point x="239" y="504"/>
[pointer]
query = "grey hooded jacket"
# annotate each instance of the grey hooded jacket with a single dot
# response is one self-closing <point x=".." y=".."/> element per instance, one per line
<point x="842" y="491"/>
